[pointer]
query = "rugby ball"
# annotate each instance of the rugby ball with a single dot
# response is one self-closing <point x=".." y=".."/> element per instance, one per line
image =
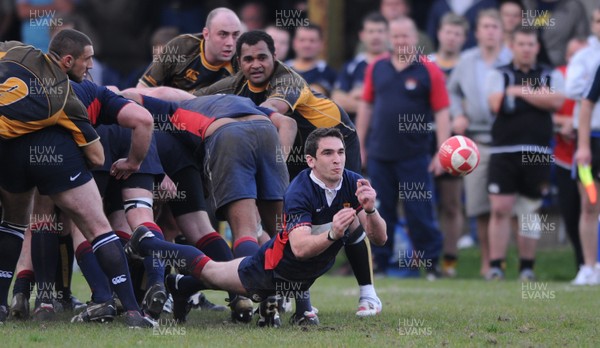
<point x="459" y="155"/>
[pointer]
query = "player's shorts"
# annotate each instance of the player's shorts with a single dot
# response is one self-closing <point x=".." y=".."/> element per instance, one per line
<point x="116" y="141"/>
<point x="517" y="172"/>
<point x="190" y="192"/>
<point x="47" y="159"/>
<point x="174" y="153"/>
<point x="111" y="189"/>
<point x="241" y="163"/>
<point x="260" y="283"/>
<point x="477" y="201"/>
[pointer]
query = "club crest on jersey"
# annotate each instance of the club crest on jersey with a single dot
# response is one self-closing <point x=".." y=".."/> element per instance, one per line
<point x="191" y="74"/>
<point x="410" y="84"/>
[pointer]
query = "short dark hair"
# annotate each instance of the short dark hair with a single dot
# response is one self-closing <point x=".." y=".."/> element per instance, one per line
<point x="374" y="17"/>
<point x="253" y="37"/>
<point x="69" y="42"/>
<point x="312" y="141"/>
<point x="310" y="27"/>
<point x="524" y="30"/>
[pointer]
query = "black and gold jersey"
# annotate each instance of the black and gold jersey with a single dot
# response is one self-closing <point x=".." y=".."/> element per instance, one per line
<point x="182" y="64"/>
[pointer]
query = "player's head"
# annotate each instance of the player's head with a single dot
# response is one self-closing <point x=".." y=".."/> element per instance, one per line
<point x="308" y="42"/>
<point x="281" y="38"/>
<point x="525" y="46"/>
<point x="374" y="33"/>
<point x="74" y="52"/>
<point x="220" y="34"/>
<point x="489" y="29"/>
<point x="325" y="152"/>
<point x="256" y="54"/>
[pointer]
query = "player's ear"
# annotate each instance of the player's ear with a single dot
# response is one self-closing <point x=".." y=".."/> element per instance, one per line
<point x="310" y="161"/>
<point x="67" y="60"/>
<point x="205" y="32"/>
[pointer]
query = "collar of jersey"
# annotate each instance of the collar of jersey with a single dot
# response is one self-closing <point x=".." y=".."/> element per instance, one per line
<point x="256" y="89"/>
<point x="322" y="184"/>
<point x="205" y="62"/>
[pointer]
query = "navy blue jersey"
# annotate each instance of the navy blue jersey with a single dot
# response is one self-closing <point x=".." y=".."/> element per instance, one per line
<point x="352" y="74"/>
<point x="102" y="104"/>
<point x="195" y="115"/>
<point x="305" y="204"/>
<point x="322" y="75"/>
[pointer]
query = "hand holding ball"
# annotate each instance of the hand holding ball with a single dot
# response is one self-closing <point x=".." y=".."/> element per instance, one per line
<point x="459" y="155"/>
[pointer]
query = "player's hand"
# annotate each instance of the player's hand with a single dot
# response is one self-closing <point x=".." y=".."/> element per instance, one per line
<point x="435" y="166"/>
<point x="341" y="221"/>
<point x="366" y="194"/>
<point x="123" y="168"/>
<point x="583" y="155"/>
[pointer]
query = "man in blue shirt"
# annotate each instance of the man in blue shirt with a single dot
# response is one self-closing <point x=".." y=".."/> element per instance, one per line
<point x="325" y="207"/>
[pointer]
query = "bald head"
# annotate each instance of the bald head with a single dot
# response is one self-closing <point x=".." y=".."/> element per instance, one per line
<point x="220" y="34"/>
<point x="221" y="14"/>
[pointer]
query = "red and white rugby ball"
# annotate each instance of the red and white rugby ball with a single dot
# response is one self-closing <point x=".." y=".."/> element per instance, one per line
<point x="459" y="155"/>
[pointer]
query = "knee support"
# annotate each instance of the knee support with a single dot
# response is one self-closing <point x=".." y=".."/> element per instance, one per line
<point x="140" y="202"/>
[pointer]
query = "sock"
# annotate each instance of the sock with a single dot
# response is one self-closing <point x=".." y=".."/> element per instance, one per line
<point x="303" y="303"/>
<point x="155" y="269"/>
<point x="368" y="291"/>
<point x="186" y="285"/>
<point x="24" y="283"/>
<point x="123" y="237"/>
<point x="185" y="255"/>
<point x="245" y="246"/>
<point x="96" y="279"/>
<point x="526" y="264"/>
<point x="359" y="257"/>
<point x="112" y="260"/>
<point x="44" y="257"/>
<point x="498" y="263"/>
<point x="215" y="247"/>
<point x="64" y="270"/>
<point x="11" y="240"/>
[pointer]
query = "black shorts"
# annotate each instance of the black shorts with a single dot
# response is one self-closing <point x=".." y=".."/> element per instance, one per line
<point x="48" y="159"/>
<point x="174" y="153"/>
<point x="241" y="163"/>
<point x="116" y="141"/>
<point x="518" y="172"/>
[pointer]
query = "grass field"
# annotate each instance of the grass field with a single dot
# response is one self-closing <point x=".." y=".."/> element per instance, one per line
<point x="460" y="312"/>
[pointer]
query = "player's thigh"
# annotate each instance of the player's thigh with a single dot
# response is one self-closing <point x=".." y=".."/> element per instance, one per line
<point x="84" y="205"/>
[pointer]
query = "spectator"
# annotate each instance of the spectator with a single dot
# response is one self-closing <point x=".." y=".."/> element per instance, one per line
<point x="568" y="194"/>
<point x="522" y="95"/>
<point x="466" y="8"/>
<point x="253" y="15"/>
<point x="394" y="9"/>
<point x="471" y="115"/>
<point x="558" y="21"/>
<point x="281" y="37"/>
<point x="349" y="85"/>
<point x="403" y="95"/>
<point x="580" y="76"/>
<point x="185" y="15"/>
<point x="308" y="46"/>
<point x="451" y="35"/>
<point x="511" y="13"/>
